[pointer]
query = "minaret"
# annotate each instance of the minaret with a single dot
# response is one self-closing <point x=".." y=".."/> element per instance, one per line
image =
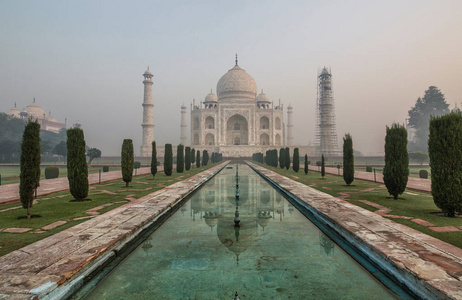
<point x="148" y="116"/>
<point x="326" y="129"/>
<point x="184" y="127"/>
<point x="290" y="126"/>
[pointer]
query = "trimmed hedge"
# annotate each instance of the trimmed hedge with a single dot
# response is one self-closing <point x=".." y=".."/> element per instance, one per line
<point x="51" y="172"/>
<point x="105" y="169"/>
<point x="423" y="174"/>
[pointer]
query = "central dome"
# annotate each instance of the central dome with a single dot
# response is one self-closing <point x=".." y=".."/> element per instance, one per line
<point x="237" y="83"/>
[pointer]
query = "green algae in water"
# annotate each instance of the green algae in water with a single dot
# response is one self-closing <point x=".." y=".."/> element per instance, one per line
<point x="276" y="253"/>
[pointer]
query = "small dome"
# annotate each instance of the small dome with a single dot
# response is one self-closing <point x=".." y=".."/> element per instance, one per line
<point x="262" y="97"/>
<point x="51" y="118"/>
<point x="237" y="83"/>
<point x="34" y="110"/>
<point x="15" y="112"/>
<point x="148" y="72"/>
<point x="210" y="98"/>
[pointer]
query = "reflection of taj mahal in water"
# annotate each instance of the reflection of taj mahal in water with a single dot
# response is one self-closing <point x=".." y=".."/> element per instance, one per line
<point x="258" y="207"/>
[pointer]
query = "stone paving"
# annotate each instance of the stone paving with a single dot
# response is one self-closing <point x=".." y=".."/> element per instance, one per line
<point x="434" y="264"/>
<point x="9" y="193"/>
<point x="43" y="268"/>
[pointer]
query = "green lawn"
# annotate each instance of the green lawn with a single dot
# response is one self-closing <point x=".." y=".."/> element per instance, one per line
<point x="410" y="204"/>
<point x="57" y="206"/>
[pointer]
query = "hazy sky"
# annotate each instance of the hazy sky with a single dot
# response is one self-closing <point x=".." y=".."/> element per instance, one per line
<point x="84" y="60"/>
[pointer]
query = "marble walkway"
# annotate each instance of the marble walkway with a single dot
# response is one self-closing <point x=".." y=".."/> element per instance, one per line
<point x="44" y="269"/>
<point x="435" y="266"/>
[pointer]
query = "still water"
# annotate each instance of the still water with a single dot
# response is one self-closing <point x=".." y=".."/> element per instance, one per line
<point x="276" y="253"/>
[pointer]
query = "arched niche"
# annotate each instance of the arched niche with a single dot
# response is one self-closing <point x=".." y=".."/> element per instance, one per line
<point x="278" y="140"/>
<point x="237" y="132"/>
<point x="264" y="139"/>
<point x="264" y="122"/>
<point x="277" y="123"/>
<point x="209" y="123"/>
<point x="210" y="139"/>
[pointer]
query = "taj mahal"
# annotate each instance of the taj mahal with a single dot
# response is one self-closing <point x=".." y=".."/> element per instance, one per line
<point x="237" y="121"/>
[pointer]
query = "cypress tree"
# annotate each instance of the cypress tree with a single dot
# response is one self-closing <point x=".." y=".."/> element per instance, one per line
<point x="77" y="168"/>
<point x="396" y="170"/>
<point x="205" y="158"/>
<point x="29" y="178"/>
<point x="287" y="158"/>
<point x="296" y="163"/>
<point x="306" y="164"/>
<point x="198" y="159"/>
<point x="445" y="152"/>
<point x="128" y="161"/>
<point x="193" y="156"/>
<point x="348" y="160"/>
<point x="154" y="159"/>
<point x="323" y="166"/>
<point x="187" y="158"/>
<point x="168" y="160"/>
<point x="281" y="158"/>
<point x="180" y="158"/>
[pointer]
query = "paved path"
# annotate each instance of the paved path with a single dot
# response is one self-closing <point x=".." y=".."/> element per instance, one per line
<point x="9" y="193"/>
<point x="413" y="183"/>
<point x="435" y="265"/>
<point x="45" y="267"/>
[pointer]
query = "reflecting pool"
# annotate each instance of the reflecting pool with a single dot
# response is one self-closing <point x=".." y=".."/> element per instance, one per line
<point x="276" y="253"/>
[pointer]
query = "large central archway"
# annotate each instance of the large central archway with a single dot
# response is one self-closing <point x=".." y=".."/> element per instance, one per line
<point x="237" y="131"/>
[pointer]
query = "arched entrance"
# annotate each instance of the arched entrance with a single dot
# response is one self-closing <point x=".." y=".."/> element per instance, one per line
<point x="209" y="139"/>
<point x="264" y="139"/>
<point x="237" y="132"/>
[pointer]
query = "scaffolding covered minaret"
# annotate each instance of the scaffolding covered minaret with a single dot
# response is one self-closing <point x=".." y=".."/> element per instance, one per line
<point x="326" y="131"/>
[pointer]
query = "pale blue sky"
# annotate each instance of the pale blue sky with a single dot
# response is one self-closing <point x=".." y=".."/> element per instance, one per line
<point x="84" y="60"/>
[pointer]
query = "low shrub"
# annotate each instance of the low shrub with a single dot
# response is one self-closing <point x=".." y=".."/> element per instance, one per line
<point x="51" y="172"/>
<point x="318" y="163"/>
<point x="423" y="174"/>
<point x="137" y="165"/>
<point x="105" y="169"/>
<point x="368" y="169"/>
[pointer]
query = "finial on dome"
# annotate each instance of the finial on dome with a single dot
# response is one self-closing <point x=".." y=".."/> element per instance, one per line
<point x="236" y="59"/>
<point x="15" y="104"/>
<point x="34" y="99"/>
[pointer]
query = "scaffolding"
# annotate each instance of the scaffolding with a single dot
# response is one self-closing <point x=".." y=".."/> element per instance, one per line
<point x="326" y="131"/>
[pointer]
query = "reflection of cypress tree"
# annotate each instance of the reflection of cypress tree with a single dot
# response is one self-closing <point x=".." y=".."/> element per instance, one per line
<point x="29" y="178"/>
<point x="127" y="162"/>
<point x="77" y="169"/>
<point x="154" y="159"/>
<point x="187" y="158"/>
